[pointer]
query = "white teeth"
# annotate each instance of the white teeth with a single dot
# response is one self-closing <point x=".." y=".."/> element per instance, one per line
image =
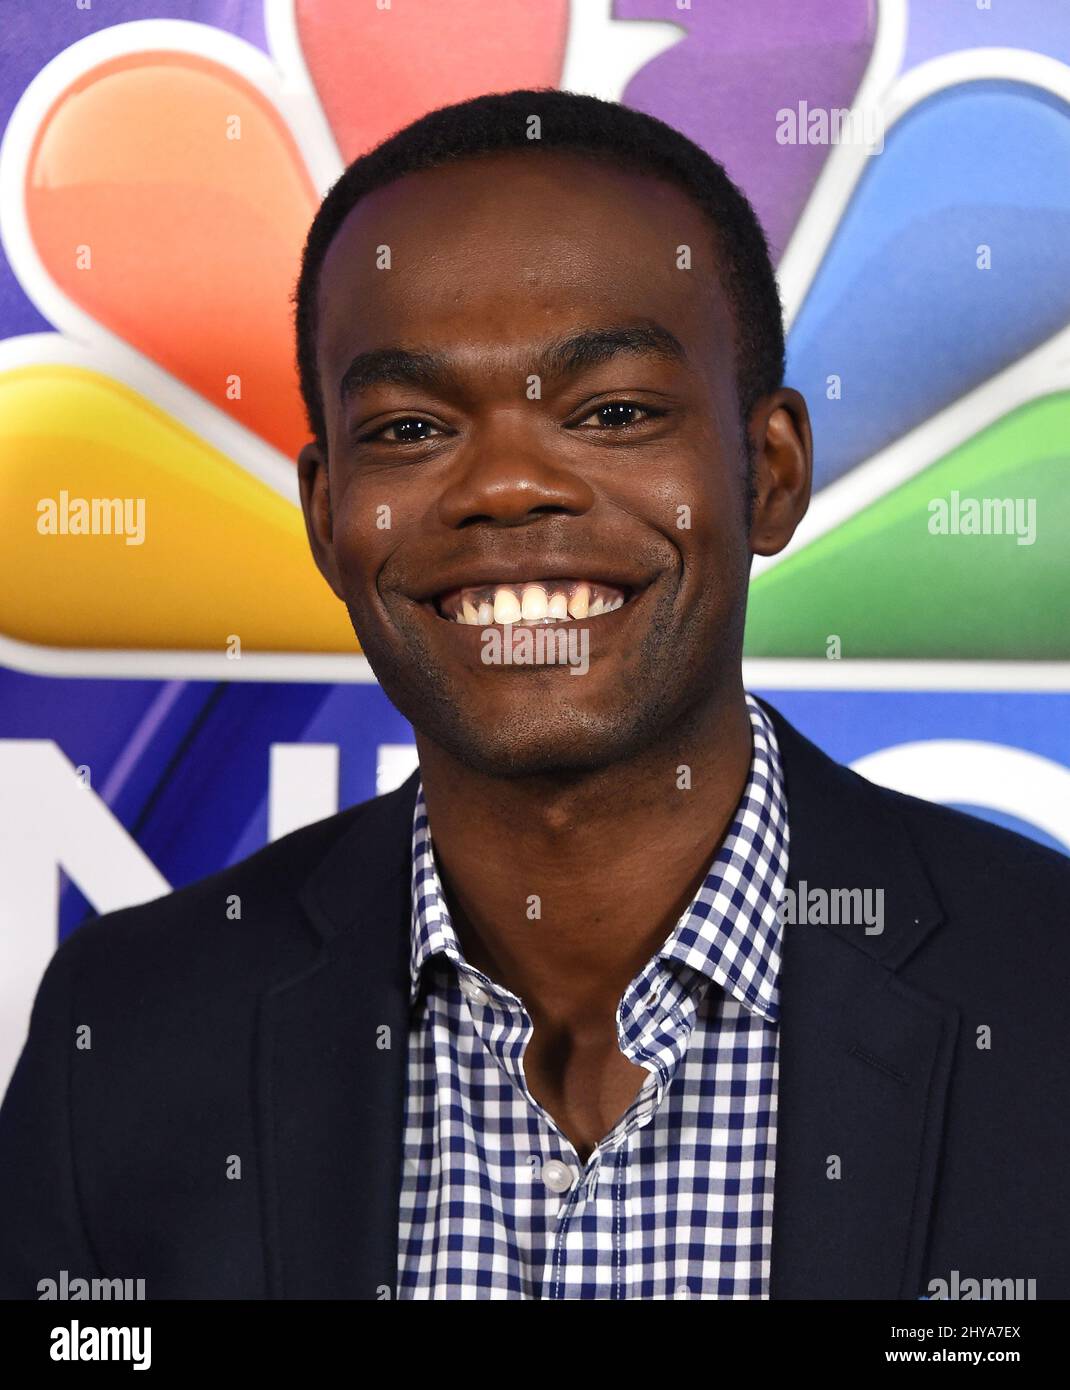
<point x="506" y="606"/>
<point x="533" y="605"/>
<point x="536" y="601"/>
<point x="577" y="604"/>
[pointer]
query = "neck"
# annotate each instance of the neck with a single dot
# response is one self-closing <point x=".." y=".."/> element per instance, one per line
<point x="562" y="889"/>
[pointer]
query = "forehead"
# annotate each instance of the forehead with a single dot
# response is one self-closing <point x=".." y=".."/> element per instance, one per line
<point x="499" y="252"/>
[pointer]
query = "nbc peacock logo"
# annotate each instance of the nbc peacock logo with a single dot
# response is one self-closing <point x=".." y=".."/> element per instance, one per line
<point x="157" y="178"/>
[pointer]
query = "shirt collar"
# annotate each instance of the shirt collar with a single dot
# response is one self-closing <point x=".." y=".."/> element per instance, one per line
<point x="731" y="931"/>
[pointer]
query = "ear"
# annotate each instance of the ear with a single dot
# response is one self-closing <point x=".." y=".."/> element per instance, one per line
<point x="783" y="448"/>
<point x="314" y="482"/>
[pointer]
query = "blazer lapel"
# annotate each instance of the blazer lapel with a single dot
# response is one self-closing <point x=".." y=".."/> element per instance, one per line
<point x="330" y="1069"/>
<point x="864" y="1058"/>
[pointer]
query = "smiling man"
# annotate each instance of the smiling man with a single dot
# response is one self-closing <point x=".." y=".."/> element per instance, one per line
<point x="629" y="992"/>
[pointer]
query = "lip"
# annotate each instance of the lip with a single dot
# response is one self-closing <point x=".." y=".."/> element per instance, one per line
<point x="483" y="576"/>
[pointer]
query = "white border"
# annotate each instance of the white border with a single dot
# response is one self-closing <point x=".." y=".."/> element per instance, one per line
<point x="309" y="668"/>
<point x="603" y="53"/>
<point x="814" y="673"/>
<point x="304" y="114"/>
<point x="843" y="167"/>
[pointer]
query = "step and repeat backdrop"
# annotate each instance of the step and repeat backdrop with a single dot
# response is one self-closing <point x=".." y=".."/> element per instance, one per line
<point x="177" y="684"/>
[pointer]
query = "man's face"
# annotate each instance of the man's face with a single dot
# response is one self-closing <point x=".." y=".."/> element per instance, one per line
<point x="508" y="474"/>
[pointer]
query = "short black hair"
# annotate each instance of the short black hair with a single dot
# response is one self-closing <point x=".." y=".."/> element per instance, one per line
<point x="584" y="125"/>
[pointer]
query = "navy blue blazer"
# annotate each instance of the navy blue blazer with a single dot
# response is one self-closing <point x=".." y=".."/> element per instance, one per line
<point x="234" y="1130"/>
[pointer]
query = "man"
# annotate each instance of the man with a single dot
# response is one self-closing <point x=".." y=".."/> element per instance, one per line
<point x="556" y="1019"/>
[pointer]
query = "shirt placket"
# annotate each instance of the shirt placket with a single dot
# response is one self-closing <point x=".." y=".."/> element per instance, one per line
<point x="654" y="1030"/>
<point x="659" y="1015"/>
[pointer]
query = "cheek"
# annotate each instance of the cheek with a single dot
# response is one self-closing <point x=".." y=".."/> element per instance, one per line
<point x="698" y="511"/>
<point x="366" y="534"/>
<point x="694" y="470"/>
<point x="716" y="554"/>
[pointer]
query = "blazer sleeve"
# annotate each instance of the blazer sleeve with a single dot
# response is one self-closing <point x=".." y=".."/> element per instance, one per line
<point x="41" y="1227"/>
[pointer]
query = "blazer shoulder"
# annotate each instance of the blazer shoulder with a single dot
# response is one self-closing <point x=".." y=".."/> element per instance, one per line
<point x="960" y="841"/>
<point x="1001" y="892"/>
<point x="985" y="876"/>
<point x="950" y="841"/>
<point x="255" y="902"/>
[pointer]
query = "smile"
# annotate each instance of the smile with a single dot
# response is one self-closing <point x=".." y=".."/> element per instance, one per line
<point x="535" y="602"/>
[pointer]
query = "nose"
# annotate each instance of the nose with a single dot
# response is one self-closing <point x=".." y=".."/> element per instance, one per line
<point x="505" y="477"/>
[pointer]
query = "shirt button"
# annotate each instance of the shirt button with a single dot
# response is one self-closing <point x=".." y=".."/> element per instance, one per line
<point x="558" y="1176"/>
<point x="473" y="993"/>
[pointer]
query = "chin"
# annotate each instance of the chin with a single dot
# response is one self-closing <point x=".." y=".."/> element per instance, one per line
<point x="554" y="746"/>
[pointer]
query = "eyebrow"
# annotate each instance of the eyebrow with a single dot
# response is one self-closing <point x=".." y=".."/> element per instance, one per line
<point x="586" y="348"/>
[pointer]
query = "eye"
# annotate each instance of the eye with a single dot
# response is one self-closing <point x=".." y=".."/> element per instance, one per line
<point x="620" y="415"/>
<point x="405" y="426"/>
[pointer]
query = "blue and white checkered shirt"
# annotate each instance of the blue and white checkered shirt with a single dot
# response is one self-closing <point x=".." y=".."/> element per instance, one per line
<point x="676" y="1200"/>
